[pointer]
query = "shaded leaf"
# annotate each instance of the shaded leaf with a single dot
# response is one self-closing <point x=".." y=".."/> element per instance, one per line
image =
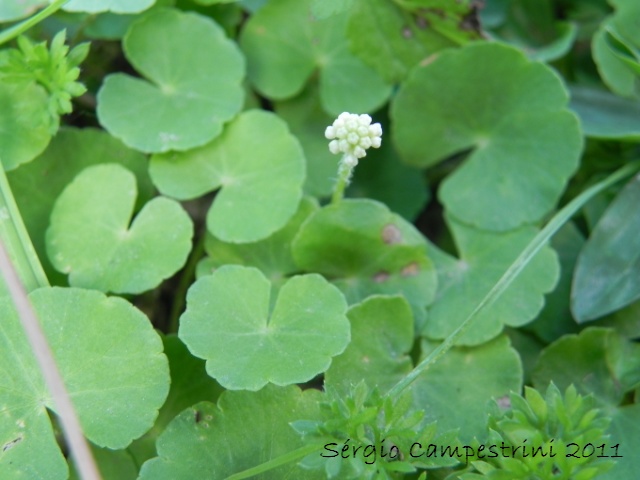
<point x="90" y="238"/>
<point x="258" y="164"/>
<point x="188" y="94"/>
<point x="365" y="249"/>
<point x="116" y="6"/>
<point x="607" y="275"/>
<point x="209" y="441"/>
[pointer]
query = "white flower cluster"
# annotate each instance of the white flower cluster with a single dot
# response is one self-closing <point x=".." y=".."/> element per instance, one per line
<point x="352" y="135"/>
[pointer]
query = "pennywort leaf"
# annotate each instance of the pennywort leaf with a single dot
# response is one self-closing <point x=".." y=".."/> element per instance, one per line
<point x="251" y="340"/>
<point x="90" y="238"/>
<point x="185" y="110"/>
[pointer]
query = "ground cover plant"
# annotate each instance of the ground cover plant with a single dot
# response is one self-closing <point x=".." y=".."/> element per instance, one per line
<point x="350" y="239"/>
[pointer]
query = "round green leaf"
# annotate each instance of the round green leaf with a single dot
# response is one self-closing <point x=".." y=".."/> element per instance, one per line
<point x="456" y="391"/>
<point x="606" y="116"/>
<point x="307" y="121"/>
<point x="248" y="339"/>
<point x="607" y="275"/>
<point x="602" y="363"/>
<point x="244" y="430"/>
<point x="510" y="112"/>
<point x="464" y="282"/>
<point x="37" y="184"/>
<point x="111" y="361"/>
<point x="189" y="92"/>
<point x="116" y="6"/>
<point x="24" y="123"/>
<point x="90" y="238"/>
<point x="366" y="249"/>
<point x="614" y="71"/>
<point x="258" y="164"/>
<point x="285" y="45"/>
<point x="598" y="361"/>
<point x="381" y="338"/>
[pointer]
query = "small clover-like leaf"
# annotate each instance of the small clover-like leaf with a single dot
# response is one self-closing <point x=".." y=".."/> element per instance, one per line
<point x="366" y="249"/>
<point x="260" y="167"/>
<point x="189" y="92"/>
<point x="510" y="112"/>
<point x="111" y="361"/>
<point x="285" y="45"/>
<point x="463" y="283"/>
<point x="607" y="275"/>
<point x="244" y="430"/>
<point x="90" y="238"/>
<point x="250" y="339"/>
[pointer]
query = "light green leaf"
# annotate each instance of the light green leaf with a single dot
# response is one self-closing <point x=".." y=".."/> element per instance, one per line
<point x="390" y="39"/>
<point x="272" y="256"/>
<point x="258" y="164"/>
<point x="209" y="441"/>
<point x="326" y="8"/>
<point x="456" y="391"/>
<point x="510" y="112"/>
<point x="600" y="362"/>
<point x="285" y="45"/>
<point x="113" y="465"/>
<point x="606" y="116"/>
<point x="597" y="361"/>
<point x="91" y="239"/>
<point x="16" y="9"/>
<point x="190" y="384"/>
<point x="111" y="361"/>
<point x="622" y="79"/>
<point x="365" y="249"/>
<point x="250" y="339"/>
<point x="188" y="94"/>
<point x="607" y="275"/>
<point x="24" y="123"/>
<point x="556" y="319"/>
<point x="381" y="338"/>
<point x="37" y="185"/>
<point x="116" y="6"/>
<point x="464" y="282"/>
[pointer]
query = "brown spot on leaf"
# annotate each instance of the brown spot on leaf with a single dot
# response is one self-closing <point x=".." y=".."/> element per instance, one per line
<point x="407" y="33"/>
<point x="411" y="270"/>
<point x="391" y="234"/>
<point x="197" y="415"/>
<point x="381" y="276"/>
<point x="366" y="359"/>
<point x="428" y="60"/>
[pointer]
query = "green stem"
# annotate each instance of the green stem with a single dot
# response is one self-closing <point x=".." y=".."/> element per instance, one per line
<point x="185" y="282"/>
<point x="344" y="176"/>
<point x="14" y="236"/>
<point x="18" y="29"/>
<point x="539" y="241"/>
<point x="276" y="462"/>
